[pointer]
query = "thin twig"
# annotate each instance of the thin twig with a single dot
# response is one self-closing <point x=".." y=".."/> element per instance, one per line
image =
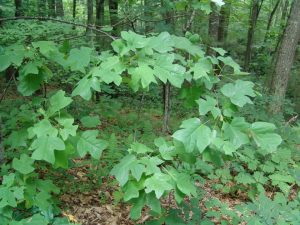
<point x="190" y="21"/>
<point x="6" y="88"/>
<point x="89" y="26"/>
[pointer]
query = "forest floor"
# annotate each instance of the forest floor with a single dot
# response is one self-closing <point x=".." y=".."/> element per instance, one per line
<point x="89" y="195"/>
<point x="98" y="205"/>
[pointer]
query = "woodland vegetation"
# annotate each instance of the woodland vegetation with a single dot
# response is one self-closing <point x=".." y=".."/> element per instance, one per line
<point x="149" y="112"/>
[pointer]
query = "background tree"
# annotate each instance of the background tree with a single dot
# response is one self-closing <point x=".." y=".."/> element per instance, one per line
<point x="113" y="13"/>
<point x="271" y="18"/>
<point x="51" y="8"/>
<point x="42" y="7"/>
<point x="285" y="58"/>
<point x="213" y="28"/>
<point x="19" y="10"/>
<point x="59" y="8"/>
<point x="254" y="13"/>
<point x="224" y="23"/>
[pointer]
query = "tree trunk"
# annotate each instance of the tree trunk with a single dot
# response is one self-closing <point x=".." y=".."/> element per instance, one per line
<point x="213" y="24"/>
<point x="254" y="13"/>
<point x="270" y="19"/>
<point x="147" y="14"/>
<point x="51" y="8"/>
<point x="285" y="10"/>
<point x="224" y="23"/>
<point x="284" y="58"/>
<point x="60" y="8"/>
<point x="42" y="8"/>
<point x="19" y="10"/>
<point x="167" y="86"/>
<point x="113" y="13"/>
<point x="1" y="16"/>
<point x="100" y="12"/>
<point x="89" y="12"/>
<point x="74" y="9"/>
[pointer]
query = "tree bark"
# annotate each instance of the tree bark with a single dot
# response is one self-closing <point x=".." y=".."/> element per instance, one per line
<point x="1" y="15"/>
<point x="19" y="10"/>
<point x="42" y="7"/>
<point x="89" y="12"/>
<point x="285" y="10"/>
<point x="213" y="25"/>
<point x="51" y="8"/>
<point x="254" y="13"/>
<point x="147" y="14"/>
<point x="168" y="16"/>
<point x="60" y="8"/>
<point x="113" y="13"/>
<point x="284" y="58"/>
<point x="100" y="12"/>
<point x="224" y="23"/>
<point x="74" y="10"/>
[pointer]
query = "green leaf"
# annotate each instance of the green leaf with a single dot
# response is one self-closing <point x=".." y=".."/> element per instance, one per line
<point x="153" y="202"/>
<point x="218" y="2"/>
<point x="83" y="88"/>
<point x="88" y="143"/>
<point x="183" y="182"/>
<point x="127" y="164"/>
<point x="17" y="138"/>
<point x="79" y="59"/>
<point x="235" y="131"/>
<point x="44" y="147"/>
<point x="107" y="28"/>
<point x="276" y="178"/>
<point x="239" y="92"/>
<point x="202" y="69"/>
<point x="120" y="47"/>
<point x="9" y="194"/>
<point x="163" y="43"/>
<point x="151" y="164"/>
<point x="134" y="40"/>
<point x="220" y="51"/>
<point x="42" y="128"/>
<point x="30" y="68"/>
<point x="58" y="101"/>
<point x="139" y="148"/>
<point x="185" y="45"/>
<point x="228" y="61"/>
<point x="264" y="136"/>
<point x="165" y="70"/>
<point x="5" y="62"/>
<point x="68" y="128"/>
<point x="245" y="178"/>
<point x="143" y="74"/>
<point x="110" y="70"/>
<point x="209" y="105"/>
<point x="34" y="220"/>
<point x="8" y="180"/>
<point x="45" y="47"/>
<point x="24" y="164"/>
<point x="194" y="135"/>
<point x="166" y="151"/>
<point x="137" y="206"/>
<point x="132" y="188"/>
<point x="30" y="83"/>
<point x="90" y="121"/>
<point x="159" y="183"/>
<point x="62" y="157"/>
